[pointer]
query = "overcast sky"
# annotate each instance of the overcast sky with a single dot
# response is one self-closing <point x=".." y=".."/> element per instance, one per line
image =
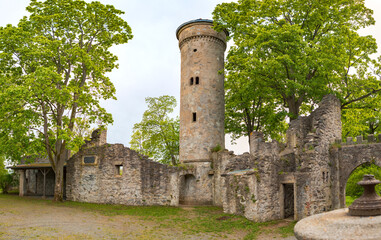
<point x="149" y="64"/>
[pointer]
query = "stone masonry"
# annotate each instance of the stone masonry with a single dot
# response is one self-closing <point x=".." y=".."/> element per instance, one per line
<point x="303" y="177"/>
<point x="202" y="106"/>
<point x="119" y="175"/>
<point x="202" y="103"/>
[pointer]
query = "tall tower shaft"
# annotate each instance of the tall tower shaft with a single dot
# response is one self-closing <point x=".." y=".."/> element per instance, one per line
<point x="202" y="103"/>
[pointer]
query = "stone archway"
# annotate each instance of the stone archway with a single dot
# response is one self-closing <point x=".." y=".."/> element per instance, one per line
<point x="351" y="157"/>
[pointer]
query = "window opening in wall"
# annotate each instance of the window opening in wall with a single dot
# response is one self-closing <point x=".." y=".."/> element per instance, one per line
<point x="194" y="117"/>
<point x="119" y="170"/>
<point x="197" y="80"/>
<point x="195" y="50"/>
<point x="191" y="81"/>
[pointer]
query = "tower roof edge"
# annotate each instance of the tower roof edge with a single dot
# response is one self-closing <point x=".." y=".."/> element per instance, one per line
<point x="200" y="20"/>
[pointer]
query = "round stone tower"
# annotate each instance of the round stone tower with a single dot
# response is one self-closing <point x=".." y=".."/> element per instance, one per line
<point x="202" y="100"/>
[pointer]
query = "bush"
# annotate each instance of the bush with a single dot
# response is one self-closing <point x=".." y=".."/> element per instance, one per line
<point x="353" y="189"/>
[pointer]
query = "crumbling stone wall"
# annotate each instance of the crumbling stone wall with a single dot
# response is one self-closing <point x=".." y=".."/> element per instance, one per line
<point x="196" y="184"/>
<point x="250" y="182"/>
<point x="276" y="173"/>
<point x="142" y="181"/>
<point x="310" y="139"/>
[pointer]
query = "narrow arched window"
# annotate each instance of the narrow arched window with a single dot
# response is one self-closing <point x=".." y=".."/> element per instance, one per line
<point x="197" y="80"/>
<point x="191" y="81"/>
<point x="194" y="117"/>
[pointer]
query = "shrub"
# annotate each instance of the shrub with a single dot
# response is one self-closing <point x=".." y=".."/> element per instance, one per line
<point x="6" y="181"/>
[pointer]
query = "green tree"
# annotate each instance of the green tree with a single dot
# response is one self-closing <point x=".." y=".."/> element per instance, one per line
<point x="6" y="179"/>
<point x="54" y="67"/>
<point x="157" y="135"/>
<point x="302" y="50"/>
<point x="362" y="117"/>
<point x="249" y="104"/>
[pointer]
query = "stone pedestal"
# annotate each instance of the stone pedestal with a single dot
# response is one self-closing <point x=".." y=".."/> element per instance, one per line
<point x="338" y="225"/>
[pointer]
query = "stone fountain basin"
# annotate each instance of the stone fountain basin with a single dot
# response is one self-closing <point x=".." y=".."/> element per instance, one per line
<point x="338" y="225"/>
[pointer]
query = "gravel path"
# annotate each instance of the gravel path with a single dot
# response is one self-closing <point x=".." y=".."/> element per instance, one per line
<point x="30" y="220"/>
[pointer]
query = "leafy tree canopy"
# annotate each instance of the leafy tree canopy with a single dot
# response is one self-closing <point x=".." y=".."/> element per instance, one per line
<point x="157" y="135"/>
<point x="53" y="71"/>
<point x="293" y="52"/>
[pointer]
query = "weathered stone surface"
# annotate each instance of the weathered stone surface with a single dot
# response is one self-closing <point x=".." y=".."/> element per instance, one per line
<point x="344" y="160"/>
<point x="287" y="181"/>
<point x="338" y="225"/>
<point x="142" y="182"/>
<point x="202" y="103"/>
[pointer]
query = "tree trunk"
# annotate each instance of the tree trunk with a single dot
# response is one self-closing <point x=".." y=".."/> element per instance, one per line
<point x="59" y="181"/>
<point x="293" y="107"/>
<point x="59" y="178"/>
<point x="173" y="160"/>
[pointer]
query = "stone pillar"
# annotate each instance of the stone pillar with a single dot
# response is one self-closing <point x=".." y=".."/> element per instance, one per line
<point x="256" y="138"/>
<point x="22" y="183"/>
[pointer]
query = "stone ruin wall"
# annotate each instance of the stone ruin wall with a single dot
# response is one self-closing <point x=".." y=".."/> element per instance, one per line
<point x="142" y="182"/>
<point x="248" y="184"/>
<point x="311" y="169"/>
<point x="196" y="184"/>
<point x="313" y="137"/>
<point x="278" y="171"/>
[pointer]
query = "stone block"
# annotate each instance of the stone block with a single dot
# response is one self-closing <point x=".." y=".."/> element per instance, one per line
<point x="371" y="138"/>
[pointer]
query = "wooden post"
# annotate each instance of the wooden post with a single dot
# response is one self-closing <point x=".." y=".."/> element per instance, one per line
<point x="22" y="183"/>
<point x="44" y="171"/>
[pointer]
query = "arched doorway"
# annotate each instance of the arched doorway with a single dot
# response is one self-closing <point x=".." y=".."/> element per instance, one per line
<point x="352" y="189"/>
<point x="187" y="189"/>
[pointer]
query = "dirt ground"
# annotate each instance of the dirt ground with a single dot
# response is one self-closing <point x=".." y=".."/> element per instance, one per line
<point x="22" y="219"/>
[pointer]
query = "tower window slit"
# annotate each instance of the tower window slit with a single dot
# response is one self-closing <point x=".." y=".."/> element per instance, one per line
<point x="194" y="117"/>
<point x="197" y="80"/>
<point x="191" y="81"/>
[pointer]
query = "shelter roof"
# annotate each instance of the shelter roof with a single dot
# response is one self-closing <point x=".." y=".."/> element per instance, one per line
<point x="32" y="166"/>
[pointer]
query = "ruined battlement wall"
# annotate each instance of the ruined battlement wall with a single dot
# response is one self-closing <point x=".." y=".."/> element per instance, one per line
<point x="371" y="139"/>
<point x="120" y="175"/>
<point x="279" y="180"/>
<point x="249" y="182"/>
<point x="318" y="130"/>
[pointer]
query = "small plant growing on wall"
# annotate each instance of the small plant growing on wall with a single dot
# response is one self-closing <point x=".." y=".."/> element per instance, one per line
<point x="217" y="148"/>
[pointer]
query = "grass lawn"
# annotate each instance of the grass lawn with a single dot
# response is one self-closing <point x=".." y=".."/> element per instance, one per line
<point x="190" y="222"/>
<point x="349" y="200"/>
